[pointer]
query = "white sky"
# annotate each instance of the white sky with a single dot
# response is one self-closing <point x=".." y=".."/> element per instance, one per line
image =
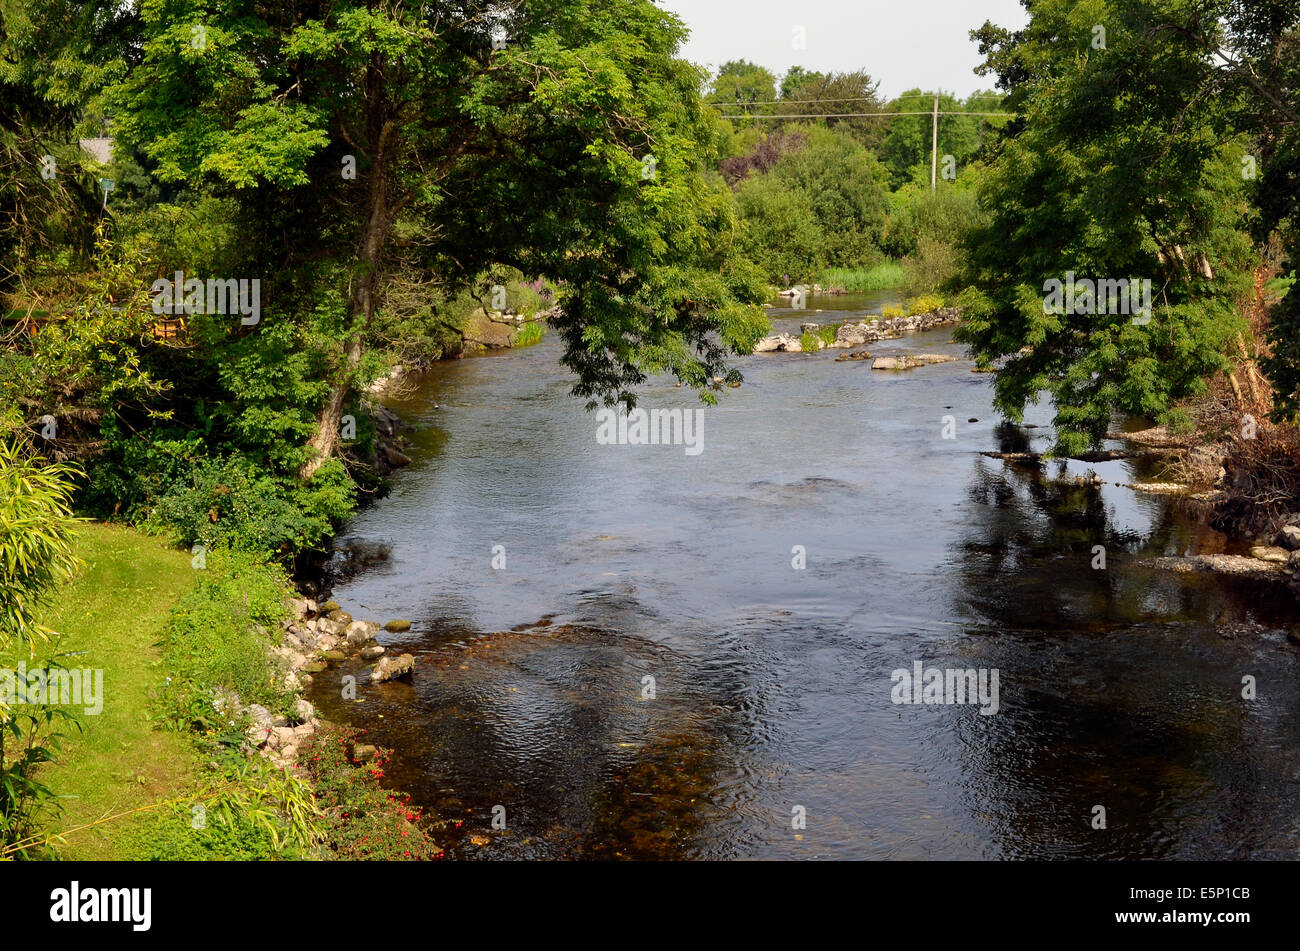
<point x="902" y="43"/>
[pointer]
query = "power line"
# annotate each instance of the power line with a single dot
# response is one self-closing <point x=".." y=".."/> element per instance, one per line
<point x="781" y="102"/>
<point x="868" y="115"/>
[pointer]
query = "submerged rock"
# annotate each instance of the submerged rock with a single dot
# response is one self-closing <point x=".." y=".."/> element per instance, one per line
<point x="391" y="668"/>
<point x="911" y="361"/>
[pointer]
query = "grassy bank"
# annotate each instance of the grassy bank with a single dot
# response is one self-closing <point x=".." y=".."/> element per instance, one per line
<point x="856" y="280"/>
<point x="111" y="618"/>
<point x="159" y="773"/>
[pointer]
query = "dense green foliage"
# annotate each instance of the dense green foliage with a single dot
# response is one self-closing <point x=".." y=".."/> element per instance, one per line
<point x="377" y="171"/>
<point x="36" y="550"/>
<point x="219" y="637"/>
<point x="1128" y="163"/>
<point x="819" y="206"/>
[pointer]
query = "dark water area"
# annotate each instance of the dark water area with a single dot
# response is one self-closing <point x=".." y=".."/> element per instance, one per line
<point x="772" y="689"/>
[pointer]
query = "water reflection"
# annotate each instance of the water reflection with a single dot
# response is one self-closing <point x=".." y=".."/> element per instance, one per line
<point x="1120" y="686"/>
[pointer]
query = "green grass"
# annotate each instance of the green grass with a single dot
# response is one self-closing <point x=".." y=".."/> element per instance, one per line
<point x="164" y="635"/>
<point x="113" y="614"/>
<point x="529" y="334"/>
<point x="881" y="277"/>
<point x="1279" y="287"/>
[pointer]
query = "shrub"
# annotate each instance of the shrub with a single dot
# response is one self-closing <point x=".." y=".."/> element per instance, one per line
<point x="36" y="535"/>
<point x="225" y="501"/>
<point x="932" y="267"/>
<point x="925" y="304"/>
<point x="364" y="821"/>
<point x="31" y="733"/>
<point x="892" y="312"/>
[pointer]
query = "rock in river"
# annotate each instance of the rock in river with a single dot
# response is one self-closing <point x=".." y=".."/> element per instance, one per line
<point x="910" y="361"/>
<point x="781" y="343"/>
<point x="390" y="668"/>
<point x="361" y="632"/>
<point x="1289" y="537"/>
<point x="1266" y="553"/>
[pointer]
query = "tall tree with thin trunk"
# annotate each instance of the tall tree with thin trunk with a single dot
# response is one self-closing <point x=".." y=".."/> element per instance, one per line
<point x="562" y="138"/>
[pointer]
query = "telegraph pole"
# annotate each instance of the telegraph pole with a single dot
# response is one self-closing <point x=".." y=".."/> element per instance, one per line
<point x="934" y="149"/>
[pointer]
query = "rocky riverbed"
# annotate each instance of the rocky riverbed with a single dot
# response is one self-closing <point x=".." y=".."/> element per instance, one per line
<point x="314" y="638"/>
<point x="852" y="334"/>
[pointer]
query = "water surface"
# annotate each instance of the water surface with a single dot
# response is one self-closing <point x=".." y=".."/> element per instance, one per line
<point x="772" y="691"/>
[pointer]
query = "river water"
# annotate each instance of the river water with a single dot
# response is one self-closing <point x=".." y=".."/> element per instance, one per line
<point x="769" y="728"/>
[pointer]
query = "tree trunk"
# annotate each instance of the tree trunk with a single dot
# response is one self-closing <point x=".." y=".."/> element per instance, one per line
<point x="374" y="235"/>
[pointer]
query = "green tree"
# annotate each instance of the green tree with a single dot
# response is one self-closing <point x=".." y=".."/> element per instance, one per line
<point x="821" y="205"/>
<point x="796" y="80"/>
<point x="906" y="149"/>
<point x="1121" y="169"/>
<point x="838" y="96"/>
<point x="55" y="57"/>
<point x="741" y="82"/>
<point x="568" y="142"/>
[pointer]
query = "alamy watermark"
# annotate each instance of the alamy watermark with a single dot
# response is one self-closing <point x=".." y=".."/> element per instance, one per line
<point x="77" y="904"/>
<point x="59" y="686"/>
<point x="656" y="427"/>
<point x="215" y="296"/>
<point x="1129" y="296"/>
<point x="950" y="686"/>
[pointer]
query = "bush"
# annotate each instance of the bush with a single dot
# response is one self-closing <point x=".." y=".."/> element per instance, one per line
<point x="892" y="312"/>
<point x="932" y="267"/>
<point x="821" y="205"/>
<point x="365" y="821"/>
<point x="36" y="535"/>
<point x="925" y="304"/>
<point x="225" y="502"/>
<point x="219" y="636"/>
<point x="30" y="736"/>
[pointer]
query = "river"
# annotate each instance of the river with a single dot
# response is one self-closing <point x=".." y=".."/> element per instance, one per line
<point x="769" y="729"/>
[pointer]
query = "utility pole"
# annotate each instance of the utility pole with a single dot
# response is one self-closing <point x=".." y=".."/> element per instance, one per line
<point x="934" y="149"/>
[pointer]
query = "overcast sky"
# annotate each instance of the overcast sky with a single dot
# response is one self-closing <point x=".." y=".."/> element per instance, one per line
<point x="902" y="43"/>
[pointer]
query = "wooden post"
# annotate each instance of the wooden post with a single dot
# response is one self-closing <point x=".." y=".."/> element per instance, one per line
<point x="934" y="149"/>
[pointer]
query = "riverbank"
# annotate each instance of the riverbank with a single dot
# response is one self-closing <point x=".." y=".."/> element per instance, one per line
<point x="857" y="333"/>
<point x="111" y="618"/>
<point x="199" y="745"/>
